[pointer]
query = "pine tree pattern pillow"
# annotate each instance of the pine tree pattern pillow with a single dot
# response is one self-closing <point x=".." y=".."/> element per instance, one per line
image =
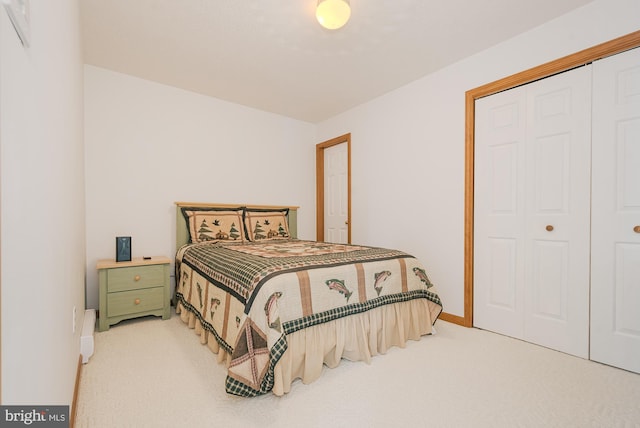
<point x="214" y="225"/>
<point x="262" y="225"/>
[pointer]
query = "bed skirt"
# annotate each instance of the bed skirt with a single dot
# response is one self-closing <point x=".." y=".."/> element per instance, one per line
<point x="356" y="337"/>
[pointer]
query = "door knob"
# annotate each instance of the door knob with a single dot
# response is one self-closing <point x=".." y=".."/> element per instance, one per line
<point x="636" y="229"/>
<point x="549" y="228"/>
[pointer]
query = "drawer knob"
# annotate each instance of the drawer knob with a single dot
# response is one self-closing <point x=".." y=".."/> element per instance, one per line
<point x="549" y="228"/>
<point x="137" y="301"/>
<point x="136" y="278"/>
<point x="636" y="229"/>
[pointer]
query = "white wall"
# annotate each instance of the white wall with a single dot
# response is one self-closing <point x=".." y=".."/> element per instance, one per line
<point x="42" y="205"/>
<point x="150" y="145"/>
<point x="408" y="146"/>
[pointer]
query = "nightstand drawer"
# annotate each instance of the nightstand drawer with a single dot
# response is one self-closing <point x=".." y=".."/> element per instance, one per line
<point x="134" y="277"/>
<point x="130" y="302"/>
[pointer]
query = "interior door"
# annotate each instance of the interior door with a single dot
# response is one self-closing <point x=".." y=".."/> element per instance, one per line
<point x="531" y="220"/>
<point x="336" y="194"/>
<point x="615" y="278"/>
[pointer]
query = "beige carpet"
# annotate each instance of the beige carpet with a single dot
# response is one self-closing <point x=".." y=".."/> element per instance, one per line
<point x="154" y="373"/>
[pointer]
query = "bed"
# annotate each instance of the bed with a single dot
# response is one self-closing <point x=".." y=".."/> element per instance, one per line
<point x="275" y="308"/>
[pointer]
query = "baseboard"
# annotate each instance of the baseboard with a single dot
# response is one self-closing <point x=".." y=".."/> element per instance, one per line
<point x="76" y="389"/>
<point x="86" y="351"/>
<point x="455" y="319"/>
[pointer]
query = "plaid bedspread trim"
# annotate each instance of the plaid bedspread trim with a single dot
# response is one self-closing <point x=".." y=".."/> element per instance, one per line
<point x="219" y="281"/>
<point x="205" y="325"/>
<point x="356" y="308"/>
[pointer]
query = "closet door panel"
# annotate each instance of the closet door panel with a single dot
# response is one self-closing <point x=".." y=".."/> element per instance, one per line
<point x="550" y="281"/>
<point x="502" y="274"/>
<point x="499" y="209"/>
<point x="628" y="153"/>
<point x="615" y="279"/>
<point x="557" y="209"/>
<point x="627" y="292"/>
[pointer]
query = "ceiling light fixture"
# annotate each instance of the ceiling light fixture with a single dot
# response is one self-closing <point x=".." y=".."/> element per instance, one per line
<point x="333" y="14"/>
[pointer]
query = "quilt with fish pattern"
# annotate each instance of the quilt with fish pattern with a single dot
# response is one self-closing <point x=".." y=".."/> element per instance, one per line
<point x="250" y="296"/>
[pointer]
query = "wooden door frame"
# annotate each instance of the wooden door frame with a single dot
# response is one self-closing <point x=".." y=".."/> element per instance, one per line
<point x="568" y="62"/>
<point x="320" y="148"/>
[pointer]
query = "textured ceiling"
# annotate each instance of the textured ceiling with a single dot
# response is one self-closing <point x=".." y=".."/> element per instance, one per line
<point x="272" y="55"/>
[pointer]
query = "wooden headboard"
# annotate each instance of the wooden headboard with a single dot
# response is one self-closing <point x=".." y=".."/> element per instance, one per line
<point x="182" y="232"/>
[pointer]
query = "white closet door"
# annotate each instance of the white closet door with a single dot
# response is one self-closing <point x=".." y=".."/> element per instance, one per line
<point x="500" y="139"/>
<point x="531" y="221"/>
<point x="558" y="212"/>
<point x="615" y="280"/>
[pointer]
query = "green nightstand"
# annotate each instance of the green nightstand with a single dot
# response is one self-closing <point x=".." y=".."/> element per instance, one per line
<point x="133" y="289"/>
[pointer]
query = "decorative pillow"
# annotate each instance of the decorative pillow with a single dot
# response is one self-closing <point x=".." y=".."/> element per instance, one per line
<point x="261" y="225"/>
<point x="209" y="224"/>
